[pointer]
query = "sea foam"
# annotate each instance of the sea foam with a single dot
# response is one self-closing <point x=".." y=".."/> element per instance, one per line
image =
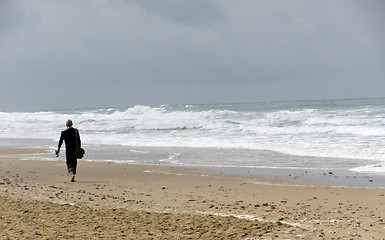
<point x="339" y="129"/>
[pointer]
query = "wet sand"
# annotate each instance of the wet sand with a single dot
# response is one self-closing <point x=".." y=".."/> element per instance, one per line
<point x="118" y="201"/>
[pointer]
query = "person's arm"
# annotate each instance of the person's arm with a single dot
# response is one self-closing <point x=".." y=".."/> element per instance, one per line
<point x="59" y="145"/>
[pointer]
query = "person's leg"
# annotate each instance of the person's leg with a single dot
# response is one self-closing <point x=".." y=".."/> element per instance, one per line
<point x="72" y="176"/>
<point x="71" y="164"/>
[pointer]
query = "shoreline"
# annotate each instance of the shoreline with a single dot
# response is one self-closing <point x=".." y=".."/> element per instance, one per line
<point x="332" y="178"/>
<point x="320" y="171"/>
<point x="322" y="176"/>
<point x="185" y="198"/>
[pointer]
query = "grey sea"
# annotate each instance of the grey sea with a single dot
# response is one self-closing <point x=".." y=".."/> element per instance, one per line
<point x="338" y="142"/>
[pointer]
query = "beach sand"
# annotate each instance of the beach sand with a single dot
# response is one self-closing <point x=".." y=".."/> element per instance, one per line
<point x="119" y="201"/>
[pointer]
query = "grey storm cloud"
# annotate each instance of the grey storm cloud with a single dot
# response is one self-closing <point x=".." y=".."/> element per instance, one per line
<point x="65" y="54"/>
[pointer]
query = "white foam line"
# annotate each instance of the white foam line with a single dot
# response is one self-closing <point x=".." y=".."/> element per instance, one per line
<point x="278" y="184"/>
<point x="304" y="186"/>
<point x="248" y="217"/>
<point x="38" y="159"/>
<point x="162" y="172"/>
<point x="111" y="161"/>
<point x="64" y="203"/>
<point x="251" y="218"/>
<point x="325" y="221"/>
<point x="138" y="151"/>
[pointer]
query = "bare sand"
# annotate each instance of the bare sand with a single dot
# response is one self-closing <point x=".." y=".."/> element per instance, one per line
<point x="118" y="201"/>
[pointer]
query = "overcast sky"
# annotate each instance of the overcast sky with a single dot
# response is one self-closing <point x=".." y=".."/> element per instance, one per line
<point x="58" y="54"/>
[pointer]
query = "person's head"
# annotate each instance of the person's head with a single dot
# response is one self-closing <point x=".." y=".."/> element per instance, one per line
<point x="69" y="123"/>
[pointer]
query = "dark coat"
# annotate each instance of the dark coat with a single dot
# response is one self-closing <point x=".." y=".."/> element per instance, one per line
<point x="71" y="137"/>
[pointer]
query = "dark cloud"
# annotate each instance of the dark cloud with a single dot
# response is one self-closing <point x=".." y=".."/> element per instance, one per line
<point x="117" y="53"/>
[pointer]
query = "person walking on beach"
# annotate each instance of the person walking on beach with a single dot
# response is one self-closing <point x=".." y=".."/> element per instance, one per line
<point x="71" y="138"/>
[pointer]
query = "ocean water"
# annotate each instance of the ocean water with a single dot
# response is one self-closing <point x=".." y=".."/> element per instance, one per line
<point x="330" y="134"/>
